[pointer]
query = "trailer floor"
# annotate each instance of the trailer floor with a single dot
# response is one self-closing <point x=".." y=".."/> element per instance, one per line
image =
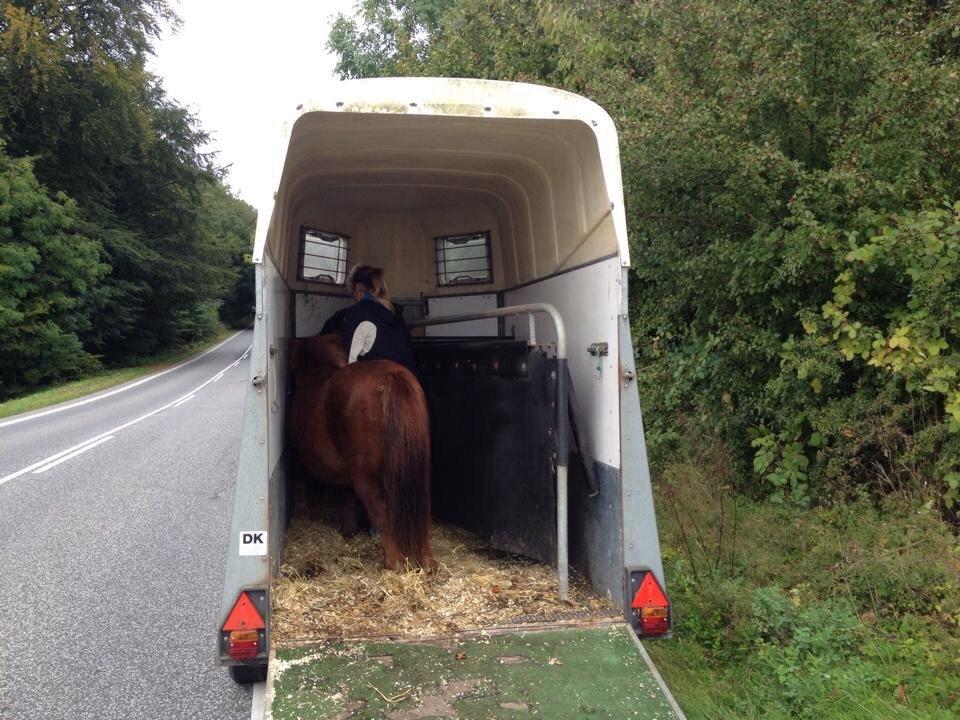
<point x="333" y="588"/>
<point x="594" y="672"/>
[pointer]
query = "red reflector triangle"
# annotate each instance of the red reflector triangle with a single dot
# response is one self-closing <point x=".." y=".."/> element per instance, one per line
<point x="649" y="594"/>
<point x="244" y="616"/>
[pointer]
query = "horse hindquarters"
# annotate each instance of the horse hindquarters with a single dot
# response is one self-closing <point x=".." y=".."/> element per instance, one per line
<point x="406" y="465"/>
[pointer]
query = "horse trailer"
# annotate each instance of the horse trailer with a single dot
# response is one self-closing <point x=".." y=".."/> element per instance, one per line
<point x="496" y="210"/>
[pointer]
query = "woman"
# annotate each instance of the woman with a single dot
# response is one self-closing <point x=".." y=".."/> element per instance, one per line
<point x="370" y="328"/>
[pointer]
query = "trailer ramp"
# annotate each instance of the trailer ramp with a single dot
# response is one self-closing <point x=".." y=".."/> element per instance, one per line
<point x="593" y="671"/>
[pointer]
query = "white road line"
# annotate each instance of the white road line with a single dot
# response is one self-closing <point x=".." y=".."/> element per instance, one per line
<point x="185" y="400"/>
<point x="51" y="411"/>
<point x="73" y="454"/>
<point x="31" y="468"/>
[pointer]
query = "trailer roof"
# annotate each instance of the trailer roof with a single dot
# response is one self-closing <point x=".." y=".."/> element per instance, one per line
<point x="370" y="132"/>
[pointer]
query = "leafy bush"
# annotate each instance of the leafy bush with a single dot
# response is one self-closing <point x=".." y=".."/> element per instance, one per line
<point x="806" y="613"/>
<point x="806" y="649"/>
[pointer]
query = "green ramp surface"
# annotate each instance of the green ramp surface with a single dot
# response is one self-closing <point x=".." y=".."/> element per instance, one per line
<point x="576" y="673"/>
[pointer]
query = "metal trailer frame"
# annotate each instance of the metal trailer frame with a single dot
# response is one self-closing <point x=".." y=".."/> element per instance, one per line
<point x="622" y="524"/>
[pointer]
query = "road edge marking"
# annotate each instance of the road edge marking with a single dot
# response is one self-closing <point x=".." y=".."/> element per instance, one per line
<point x="34" y="466"/>
<point x="60" y="408"/>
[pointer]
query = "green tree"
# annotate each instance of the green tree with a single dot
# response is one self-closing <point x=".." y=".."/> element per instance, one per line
<point x="76" y="97"/>
<point x="230" y="224"/>
<point x="391" y="37"/>
<point x="46" y="266"/>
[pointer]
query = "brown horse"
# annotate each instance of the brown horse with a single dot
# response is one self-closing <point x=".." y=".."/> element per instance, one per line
<point x="364" y="426"/>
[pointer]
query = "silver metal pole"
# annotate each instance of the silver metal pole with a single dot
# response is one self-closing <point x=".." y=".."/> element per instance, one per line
<point x="563" y="563"/>
<point x="563" y="553"/>
<point x="545" y="308"/>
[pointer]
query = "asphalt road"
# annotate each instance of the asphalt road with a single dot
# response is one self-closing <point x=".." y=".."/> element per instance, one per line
<point x="114" y="525"/>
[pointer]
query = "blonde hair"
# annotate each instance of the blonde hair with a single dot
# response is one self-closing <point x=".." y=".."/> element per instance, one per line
<point x="372" y="279"/>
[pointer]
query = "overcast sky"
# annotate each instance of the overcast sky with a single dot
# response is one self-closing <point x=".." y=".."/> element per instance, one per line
<point x="242" y="67"/>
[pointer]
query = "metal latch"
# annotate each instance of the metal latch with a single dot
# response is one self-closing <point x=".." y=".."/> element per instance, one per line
<point x="257" y="381"/>
<point x="598" y="350"/>
<point x="628" y="375"/>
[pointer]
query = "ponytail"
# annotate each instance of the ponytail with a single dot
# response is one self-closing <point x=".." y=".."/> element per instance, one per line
<point x="372" y="279"/>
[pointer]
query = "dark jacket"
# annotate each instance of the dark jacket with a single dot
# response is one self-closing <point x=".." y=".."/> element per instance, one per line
<point x="393" y="338"/>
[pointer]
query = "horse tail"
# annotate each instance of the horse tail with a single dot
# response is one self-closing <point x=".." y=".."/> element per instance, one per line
<point x="406" y="463"/>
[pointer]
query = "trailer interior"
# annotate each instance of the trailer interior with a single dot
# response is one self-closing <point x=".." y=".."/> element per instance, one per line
<point x="459" y="227"/>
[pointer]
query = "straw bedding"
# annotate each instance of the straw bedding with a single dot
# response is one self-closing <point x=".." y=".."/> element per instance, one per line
<point x="329" y="586"/>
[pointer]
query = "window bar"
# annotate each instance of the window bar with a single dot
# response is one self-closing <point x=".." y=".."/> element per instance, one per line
<point x="300" y="268"/>
<point x="330" y="252"/>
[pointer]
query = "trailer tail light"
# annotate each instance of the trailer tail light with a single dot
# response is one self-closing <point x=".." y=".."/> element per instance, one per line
<point x="655" y="620"/>
<point x="244" y="633"/>
<point x="649" y="606"/>
<point x="243" y="644"/>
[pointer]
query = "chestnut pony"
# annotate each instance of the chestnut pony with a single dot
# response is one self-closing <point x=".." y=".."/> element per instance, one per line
<point x="364" y="426"/>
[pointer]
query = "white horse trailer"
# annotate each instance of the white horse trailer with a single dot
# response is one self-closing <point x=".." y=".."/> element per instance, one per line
<point x="496" y="210"/>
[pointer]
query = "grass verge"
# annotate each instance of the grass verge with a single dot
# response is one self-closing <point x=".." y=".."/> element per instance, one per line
<point x="106" y="378"/>
<point x="844" y="611"/>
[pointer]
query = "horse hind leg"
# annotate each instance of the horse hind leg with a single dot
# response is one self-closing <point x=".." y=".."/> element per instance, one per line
<point x="375" y="502"/>
<point x="425" y="556"/>
<point x="304" y="495"/>
<point x="353" y="515"/>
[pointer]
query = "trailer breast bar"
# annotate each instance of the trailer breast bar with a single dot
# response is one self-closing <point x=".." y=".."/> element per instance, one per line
<point x="563" y="568"/>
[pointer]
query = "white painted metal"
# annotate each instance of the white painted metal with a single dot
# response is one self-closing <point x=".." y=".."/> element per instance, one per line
<point x="471" y="174"/>
<point x="460" y="305"/>
<point x="312" y="311"/>
<point x="588" y="298"/>
<point x="557" y="324"/>
<point x="276" y="319"/>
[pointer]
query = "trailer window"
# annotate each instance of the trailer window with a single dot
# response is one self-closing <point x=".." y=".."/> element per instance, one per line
<point x="463" y="259"/>
<point x="323" y="256"/>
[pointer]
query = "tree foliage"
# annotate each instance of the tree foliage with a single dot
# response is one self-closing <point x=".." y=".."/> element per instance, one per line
<point x="785" y="169"/>
<point x="46" y="266"/>
<point x="76" y="98"/>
